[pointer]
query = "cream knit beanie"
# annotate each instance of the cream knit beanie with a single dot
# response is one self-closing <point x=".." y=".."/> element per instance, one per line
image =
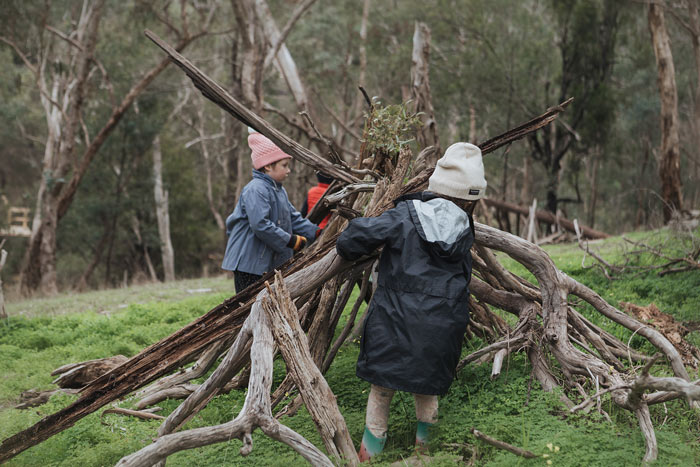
<point x="459" y="173"/>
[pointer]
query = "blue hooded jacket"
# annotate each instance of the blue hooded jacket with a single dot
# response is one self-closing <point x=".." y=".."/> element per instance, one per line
<point x="260" y="227"/>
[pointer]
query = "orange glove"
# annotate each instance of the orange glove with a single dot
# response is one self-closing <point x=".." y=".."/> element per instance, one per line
<point x="296" y="242"/>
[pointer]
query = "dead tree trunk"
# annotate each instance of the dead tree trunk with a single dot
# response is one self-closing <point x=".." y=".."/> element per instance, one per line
<point x="420" y="87"/>
<point x="670" y="157"/>
<point x="162" y="214"/>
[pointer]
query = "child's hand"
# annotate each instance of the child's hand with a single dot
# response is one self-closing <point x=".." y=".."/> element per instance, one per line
<point x="296" y="242"/>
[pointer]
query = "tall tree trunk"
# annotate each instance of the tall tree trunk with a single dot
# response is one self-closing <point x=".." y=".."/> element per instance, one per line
<point x="693" y="28"/>
<point x="136" y="228"/>
<point x="670" y="157"/>
<point x="207" y="165"/>
<point x="3" y="257"/>
<point x="641" y="217"/>
<point x="420" y="86"/>
<point x="161" y="197"/>
<point x="593" y="179"/>
<point x="40" y="257"/>
<point x="69" y="86"/>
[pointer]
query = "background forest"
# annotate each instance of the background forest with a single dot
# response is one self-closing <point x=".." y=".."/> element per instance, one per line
<point x="90" y="110"/>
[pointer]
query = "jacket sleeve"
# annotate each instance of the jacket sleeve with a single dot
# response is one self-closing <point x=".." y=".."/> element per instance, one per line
<point x="229" y="223"/>
<point x="257" y="207"/>
<point x="365" y="234"/>
<point x="305" y="207"/>
<point x="301" y="225"/>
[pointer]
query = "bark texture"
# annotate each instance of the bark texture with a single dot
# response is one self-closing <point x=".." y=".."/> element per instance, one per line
<point x="670" y="154"/>
<point x="162" y="213"/>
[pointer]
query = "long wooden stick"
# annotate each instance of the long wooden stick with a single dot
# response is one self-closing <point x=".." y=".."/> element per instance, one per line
<point x="503" y="445"/>
<point x="214" y="92"/>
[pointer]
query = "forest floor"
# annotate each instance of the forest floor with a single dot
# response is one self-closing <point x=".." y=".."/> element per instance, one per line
<point x="43" y="334"/>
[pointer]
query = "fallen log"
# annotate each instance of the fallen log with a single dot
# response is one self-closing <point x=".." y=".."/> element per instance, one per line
<point x="546" y="216"/>
<point x="77" y="375"/>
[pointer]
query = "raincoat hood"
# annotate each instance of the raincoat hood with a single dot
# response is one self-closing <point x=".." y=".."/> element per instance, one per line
<point x="442" y="224"/>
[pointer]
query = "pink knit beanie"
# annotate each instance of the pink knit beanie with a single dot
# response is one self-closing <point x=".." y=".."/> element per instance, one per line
<point x="264" y="151"/>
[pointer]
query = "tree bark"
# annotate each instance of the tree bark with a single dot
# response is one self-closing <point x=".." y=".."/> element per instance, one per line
<point x="670" y="156"/>
<point x="593" y="179"/>
<point x="317" y="395"/>
<point x="695" y="36"/>
<point x="3" y="258"/>
<point x="420" y="87"/>
<point x="38" y="269"/>
<point x="162" y="214"/>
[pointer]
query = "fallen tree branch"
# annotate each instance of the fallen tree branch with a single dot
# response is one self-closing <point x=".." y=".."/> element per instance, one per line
<point x="545" y="216"/>
<point x="223" y="99"/>
<point x="317" y="396"/>
<point x="503" y="445"/>
<point x="256" y="411"/>
<point x="133" y="413"/>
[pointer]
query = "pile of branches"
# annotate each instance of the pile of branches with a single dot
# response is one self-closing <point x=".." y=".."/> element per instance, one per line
<point x="295" y="311"/>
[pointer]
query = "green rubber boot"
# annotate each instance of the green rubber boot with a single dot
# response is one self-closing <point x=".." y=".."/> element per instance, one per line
<point x="371" y="445"/>
<point x="423" y="436"/>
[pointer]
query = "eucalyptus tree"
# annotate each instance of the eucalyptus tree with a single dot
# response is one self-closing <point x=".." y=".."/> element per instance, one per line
<point x="60" y="47"/>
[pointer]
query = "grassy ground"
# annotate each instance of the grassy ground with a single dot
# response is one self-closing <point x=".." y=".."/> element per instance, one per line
<point x="44" y="334"/>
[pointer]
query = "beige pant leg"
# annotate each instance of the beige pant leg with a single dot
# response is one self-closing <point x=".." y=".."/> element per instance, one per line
<point x="426" y="408"/>
<point x="378" y="403"/>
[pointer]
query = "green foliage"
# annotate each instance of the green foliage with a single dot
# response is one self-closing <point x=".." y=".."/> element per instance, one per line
<point x="390" y="127"/>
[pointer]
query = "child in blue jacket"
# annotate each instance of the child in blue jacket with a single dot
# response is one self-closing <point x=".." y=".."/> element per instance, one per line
<point x="415" y="324"/>
<point x="264" y="229"/>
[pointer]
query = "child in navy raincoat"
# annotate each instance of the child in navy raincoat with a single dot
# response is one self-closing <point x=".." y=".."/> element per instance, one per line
<point x="415" y="324"/>
<point x="264" y="229"/>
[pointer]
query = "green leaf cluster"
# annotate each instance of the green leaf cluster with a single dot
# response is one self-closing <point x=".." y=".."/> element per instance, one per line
<point x="388" y="128"/>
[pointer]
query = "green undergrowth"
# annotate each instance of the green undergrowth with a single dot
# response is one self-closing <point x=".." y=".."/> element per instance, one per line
<point x="511" y="408"/>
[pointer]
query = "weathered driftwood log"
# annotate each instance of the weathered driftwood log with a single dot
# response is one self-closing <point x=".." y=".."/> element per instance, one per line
<point x="34" y="398"/>
<point x="317" y="395"/>
<point x="256" y="411"/>
<point x="77" y="375"/>
<point x="133" y="413"/>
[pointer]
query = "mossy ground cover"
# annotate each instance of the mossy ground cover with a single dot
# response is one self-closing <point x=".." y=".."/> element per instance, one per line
<point x="511" y="408"/>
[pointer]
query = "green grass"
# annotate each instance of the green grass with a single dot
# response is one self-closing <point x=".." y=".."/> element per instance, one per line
<point x="512" y="408"/>
<point x="110" y="301"/>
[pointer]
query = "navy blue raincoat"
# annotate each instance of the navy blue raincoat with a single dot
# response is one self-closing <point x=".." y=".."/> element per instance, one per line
<point x="415" y="325"/>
